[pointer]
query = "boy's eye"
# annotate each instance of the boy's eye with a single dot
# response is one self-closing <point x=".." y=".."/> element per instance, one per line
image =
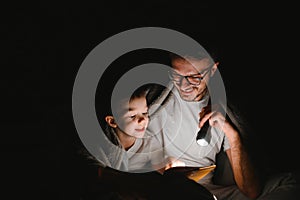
<point x="146" y="114"/>
<point x="132" y="116"/>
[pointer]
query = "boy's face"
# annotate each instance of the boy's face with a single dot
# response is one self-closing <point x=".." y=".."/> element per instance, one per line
<point x="134" y="120"/>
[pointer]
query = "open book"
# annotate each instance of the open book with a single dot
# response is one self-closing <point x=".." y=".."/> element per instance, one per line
<point x="193" y="173"/>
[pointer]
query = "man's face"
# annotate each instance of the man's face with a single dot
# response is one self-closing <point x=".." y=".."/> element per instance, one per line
<point x="192" y="67"/>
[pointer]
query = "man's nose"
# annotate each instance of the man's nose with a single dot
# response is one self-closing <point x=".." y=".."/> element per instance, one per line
<point x="184" y="83"/>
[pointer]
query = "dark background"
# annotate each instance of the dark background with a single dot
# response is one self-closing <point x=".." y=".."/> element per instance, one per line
<point x="44" y="45"/>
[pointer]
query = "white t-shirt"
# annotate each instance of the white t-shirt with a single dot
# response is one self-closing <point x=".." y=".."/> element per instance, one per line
<point x="176" y="124"/>
<point x="141" y="157"/>
<point x="145" y="154"/>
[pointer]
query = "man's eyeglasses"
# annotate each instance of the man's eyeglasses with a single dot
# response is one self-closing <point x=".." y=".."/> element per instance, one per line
<point x="194" y="79"/>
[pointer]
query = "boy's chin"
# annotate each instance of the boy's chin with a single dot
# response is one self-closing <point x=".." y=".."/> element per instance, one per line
<point x="140" y="135"/>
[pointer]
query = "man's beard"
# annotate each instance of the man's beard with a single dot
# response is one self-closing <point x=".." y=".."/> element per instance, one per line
<point x="198" y="96"/>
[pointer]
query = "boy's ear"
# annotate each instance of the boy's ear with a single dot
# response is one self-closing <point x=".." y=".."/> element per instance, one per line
<point x="111" y="121"/>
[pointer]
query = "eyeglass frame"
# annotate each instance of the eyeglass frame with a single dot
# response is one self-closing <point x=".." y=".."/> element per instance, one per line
<point x="203" y="73"/>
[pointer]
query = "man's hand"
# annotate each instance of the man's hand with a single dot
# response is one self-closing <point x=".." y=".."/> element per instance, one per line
<point x="173" y="162"/>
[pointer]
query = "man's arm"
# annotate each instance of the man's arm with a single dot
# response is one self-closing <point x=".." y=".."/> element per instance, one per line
<point x="246" y="173"/>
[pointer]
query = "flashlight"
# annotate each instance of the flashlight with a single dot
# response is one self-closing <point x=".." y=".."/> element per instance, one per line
<point x="203" y="137"/>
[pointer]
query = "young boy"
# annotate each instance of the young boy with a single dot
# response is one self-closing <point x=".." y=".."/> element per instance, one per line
<point x="126" y="129"/>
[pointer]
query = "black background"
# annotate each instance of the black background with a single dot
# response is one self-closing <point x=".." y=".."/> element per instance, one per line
<point x="44" y="45"/>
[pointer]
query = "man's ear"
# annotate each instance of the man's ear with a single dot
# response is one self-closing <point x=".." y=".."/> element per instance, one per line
<point x="214" y="68"/>
<point x="111" y="121"/>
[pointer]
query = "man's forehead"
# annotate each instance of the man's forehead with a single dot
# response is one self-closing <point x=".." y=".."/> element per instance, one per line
<point x="189" y="63"/>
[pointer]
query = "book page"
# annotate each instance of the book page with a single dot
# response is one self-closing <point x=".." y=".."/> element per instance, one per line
<point x="193" y="173"/>
<point x="196" y="175"/>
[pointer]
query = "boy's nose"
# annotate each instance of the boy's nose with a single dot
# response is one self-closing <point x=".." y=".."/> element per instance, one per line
<point x="141" y="119"/>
